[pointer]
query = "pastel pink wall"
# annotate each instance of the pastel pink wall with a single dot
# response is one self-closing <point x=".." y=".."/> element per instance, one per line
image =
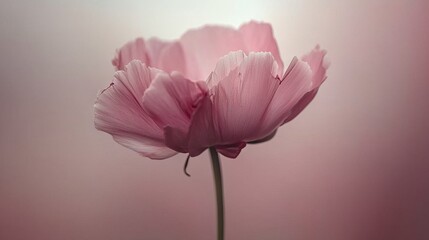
<point x="354" y="165"/>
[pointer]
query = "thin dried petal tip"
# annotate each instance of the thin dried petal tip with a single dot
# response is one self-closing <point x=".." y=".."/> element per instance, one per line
<point x="186" y="166"/>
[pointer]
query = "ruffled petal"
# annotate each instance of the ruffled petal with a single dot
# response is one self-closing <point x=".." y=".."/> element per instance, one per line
<point x="224" y="66"/>
<point x="296" y="82"/>
<point x="204" y="46"/>
<point x="172" y="58"/>
<point x="132" y="50"/>
<point x="196" y="53"/>
<point x="318" y="64"/>
<point x="164" y="55"/>
<point x="171" y="100"/>
<point x="241" y="99"/>
<point x="119" y="111"/>
<point x="154" y="48"/>
<point x="259" y="37"/>
<point x="316" y="60"/>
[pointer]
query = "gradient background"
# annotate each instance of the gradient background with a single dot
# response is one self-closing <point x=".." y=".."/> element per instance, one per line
<point x="354" y="165"/>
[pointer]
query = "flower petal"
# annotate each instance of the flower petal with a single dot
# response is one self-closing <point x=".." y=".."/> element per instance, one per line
<point x="132" y="50"/>
<point x="204" y="46"/>
<point x="259" y="37"/>
<point x="295" y="84"/>
<point x="315" y="59"/>
<point x="241" y="99"/>
<point x="192" y="56"/>
<point x="231" y="151"/>
<point x="264" y="139"/>
<point x="119" y="112"/>
<point x="202" y="133"/>
<point x="224" y="66"/>
<point x="176" y="139"/>
<point x="318" y="64"/>
<point x="172" y="58"/>
<point x="167" y="56"/>
<point x="171" y="101"/>
<point x="154" y="48"/>
<point x="145" y="146"/>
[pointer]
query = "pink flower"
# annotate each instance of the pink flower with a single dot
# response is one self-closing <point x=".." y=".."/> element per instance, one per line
<point x="159" y="104"/>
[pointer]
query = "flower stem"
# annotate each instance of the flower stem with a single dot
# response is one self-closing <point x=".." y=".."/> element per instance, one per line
<point x="219" y="192"/>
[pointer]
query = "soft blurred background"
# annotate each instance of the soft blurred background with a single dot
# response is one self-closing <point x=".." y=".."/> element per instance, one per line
<point x="354" y="165"/>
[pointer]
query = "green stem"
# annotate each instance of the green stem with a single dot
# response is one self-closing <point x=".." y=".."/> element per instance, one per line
<point x="219" y="192"/>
